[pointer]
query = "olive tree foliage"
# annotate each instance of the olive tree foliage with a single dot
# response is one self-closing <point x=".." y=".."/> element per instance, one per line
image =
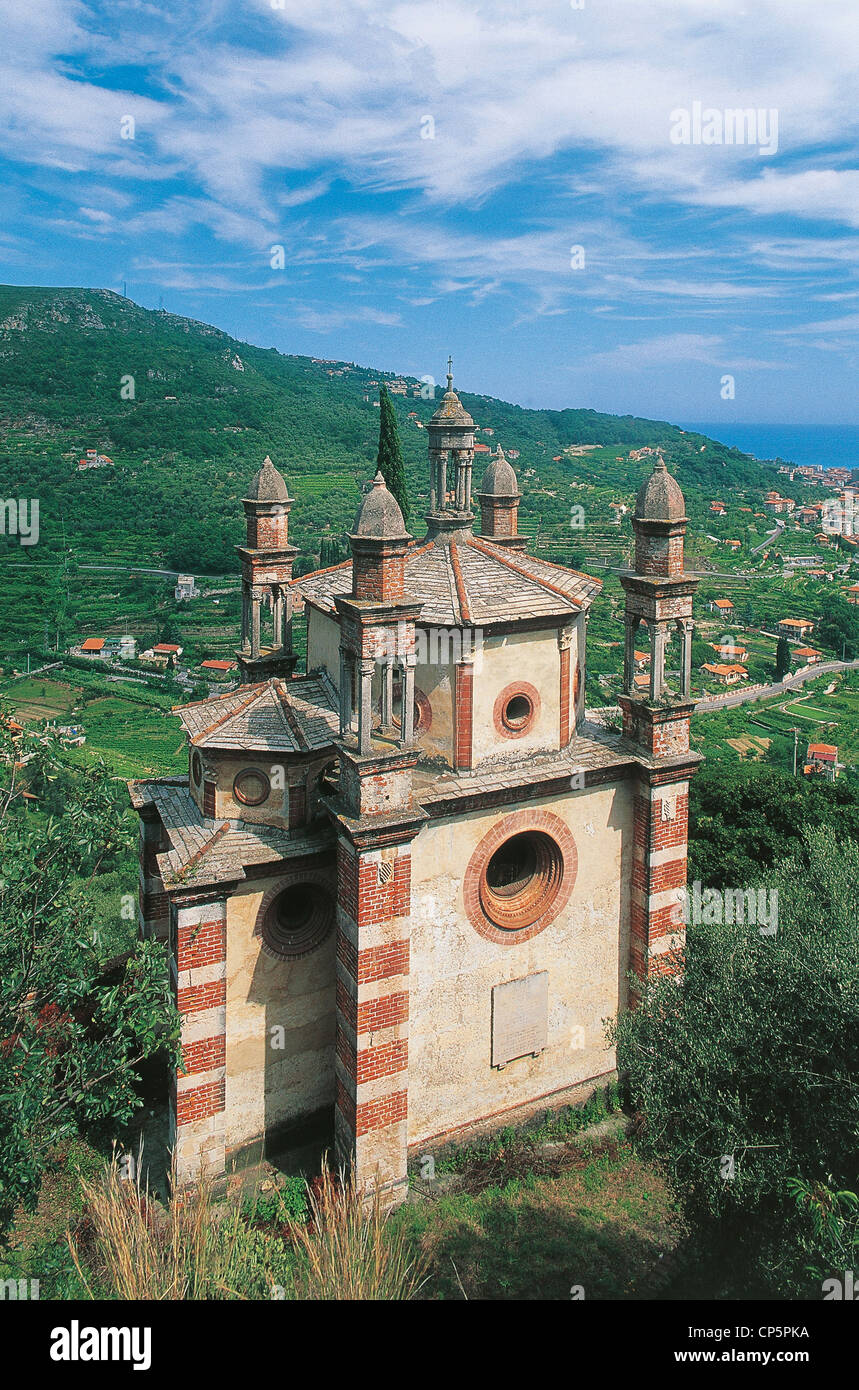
<point x="71" y="1036"/>
<point x="744" y="1072"/>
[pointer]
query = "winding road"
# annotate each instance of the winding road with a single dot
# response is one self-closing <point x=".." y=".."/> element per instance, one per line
<point x="763" y="692"/>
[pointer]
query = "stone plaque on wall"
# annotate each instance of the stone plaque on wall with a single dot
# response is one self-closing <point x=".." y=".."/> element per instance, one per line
<point x="520" y="1018"/>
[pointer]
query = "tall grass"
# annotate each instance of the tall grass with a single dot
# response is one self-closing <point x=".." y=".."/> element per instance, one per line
<point x="351" y="1248"/>
<point x="130" y="1246"/>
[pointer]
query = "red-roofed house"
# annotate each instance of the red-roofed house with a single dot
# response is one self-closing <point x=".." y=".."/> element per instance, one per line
<point x="218" y="667"/>
<point x="725" y="674"/>
<point x="93" y="647"/>
<point x="822" y="760"/>
<point x="721" y="605"/>
<point x="795" y="627"/>
<point x="163" y="653"/>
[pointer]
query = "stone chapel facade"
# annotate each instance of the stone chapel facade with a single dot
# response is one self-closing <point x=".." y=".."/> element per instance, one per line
<point x="408" y="886"/>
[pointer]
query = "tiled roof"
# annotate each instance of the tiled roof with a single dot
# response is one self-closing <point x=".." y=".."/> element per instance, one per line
<point x="469" y="582"/>
<point x="274" y="716"/>
<point x="213" y="851"/>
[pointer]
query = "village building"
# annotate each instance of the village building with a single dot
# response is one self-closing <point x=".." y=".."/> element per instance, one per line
<point x="822" y="761"/>
<point x="403" y="889"/>
<point x="186" y="588"/>
<point x="722" y="606"/>
<point x="806" y="656"/>
<point x="795" y="627"/>
<point x="217" y="668"/>
<point x="95" y="460"/>
<point x="725" y="673"/>
<point x="730" y="651"/>
<point x="163" y="654"/>
<point x="93" y="649"/>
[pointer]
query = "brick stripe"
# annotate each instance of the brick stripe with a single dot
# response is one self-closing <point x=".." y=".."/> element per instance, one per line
<point x="378" y="1114"/>
<point x="195" y="997"/>
<point x="204" y="1055"/>
<point x="382" y="1013"/>
<point x="204" y="943"/>
<point x="381" y="962"/>
<point x="201" y="1102"/>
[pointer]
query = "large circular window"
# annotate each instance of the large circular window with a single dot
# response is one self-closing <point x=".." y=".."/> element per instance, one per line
<point x="521" y="880"/>
<point x="521" y="876"/>
<point x="516" y="709"/>
<point x="251" y="787"/>
<point x="297" y="919"/>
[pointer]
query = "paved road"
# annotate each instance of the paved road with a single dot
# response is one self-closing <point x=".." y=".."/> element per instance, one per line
<point x="742" y="697"/>
<point x="779" y="526"/>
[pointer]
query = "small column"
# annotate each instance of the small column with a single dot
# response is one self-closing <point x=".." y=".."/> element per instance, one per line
<point x="686" y="659"/>
<point x="407" y="724"/>
<point x="345" y="691"/>
<point x="255" y="617"/>
<point x="277" y="634"/>
<point x="365" y="704"/>
<point x="632" y="623"/>
<point x="659" y="635"/>
<point x="388" y="694"/>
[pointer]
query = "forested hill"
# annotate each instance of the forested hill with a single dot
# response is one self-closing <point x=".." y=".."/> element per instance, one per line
<point x="205" y="411"/>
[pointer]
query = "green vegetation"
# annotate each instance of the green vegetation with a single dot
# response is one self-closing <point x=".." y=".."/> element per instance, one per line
<point x="743" y="820"/>
<point x="206" y="410"/>
<point x="390" y="455"/>
<point x="744" y="1079"/>
<point x="72" y="1037"/>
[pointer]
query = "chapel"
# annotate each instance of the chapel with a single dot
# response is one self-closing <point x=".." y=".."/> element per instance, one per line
<point x="404" y="888"/>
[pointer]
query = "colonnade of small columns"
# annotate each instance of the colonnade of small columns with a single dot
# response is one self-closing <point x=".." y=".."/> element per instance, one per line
<point x="356" y="696"/>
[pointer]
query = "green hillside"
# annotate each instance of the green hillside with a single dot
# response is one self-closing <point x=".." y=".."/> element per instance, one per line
<point x="205" y="411"/>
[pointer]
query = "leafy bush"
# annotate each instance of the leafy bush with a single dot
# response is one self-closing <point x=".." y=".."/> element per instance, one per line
<point x="752" y="1057"/>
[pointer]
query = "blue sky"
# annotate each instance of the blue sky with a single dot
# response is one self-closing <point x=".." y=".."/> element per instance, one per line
<point x="427" y="168"/>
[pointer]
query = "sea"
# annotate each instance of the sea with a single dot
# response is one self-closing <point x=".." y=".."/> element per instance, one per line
<point x="827" y="446"/>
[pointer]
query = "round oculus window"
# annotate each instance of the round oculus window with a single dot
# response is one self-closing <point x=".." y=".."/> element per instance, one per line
<point x="521" y="880"/>
<point x="251" y="787"/>
<point x="517" y="712"/>
<point x="517" y="708"/>
<point x="298" y="920"/>
<point x="196" y="768"/>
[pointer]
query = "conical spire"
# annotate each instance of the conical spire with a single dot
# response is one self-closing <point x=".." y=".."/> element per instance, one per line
<point x="379" y="516"/>
<point x="268" y="484"/>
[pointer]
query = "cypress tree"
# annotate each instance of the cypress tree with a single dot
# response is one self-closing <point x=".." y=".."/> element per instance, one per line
<point x="782" y="658"/>
<point x="390" y="458"/>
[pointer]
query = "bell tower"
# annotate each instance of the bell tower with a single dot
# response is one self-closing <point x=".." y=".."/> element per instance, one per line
<point x="451" y="458"/>
<point x="656" y="722"/>
<point x="267" y="559"/>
